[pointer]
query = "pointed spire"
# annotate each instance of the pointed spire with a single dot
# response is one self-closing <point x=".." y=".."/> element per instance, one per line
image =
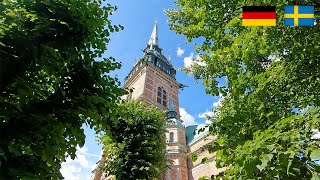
<point x="171" y="105"/>
<point x="171" y="113"/>
<point x="154" y="35"/>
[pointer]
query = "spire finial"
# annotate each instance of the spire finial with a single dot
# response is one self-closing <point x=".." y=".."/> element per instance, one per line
<point x="154" y="35"/>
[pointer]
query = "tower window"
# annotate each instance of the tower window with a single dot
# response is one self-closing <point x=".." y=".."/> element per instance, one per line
<point x="162" y="96"/>
<point x="159" y="95"/>
<point x="171" y="138"/>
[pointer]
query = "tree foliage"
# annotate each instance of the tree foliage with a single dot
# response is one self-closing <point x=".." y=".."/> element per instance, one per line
<point x="270" y="110"/>
<point x="134" y="146"/>
<point x="50" y="83"/>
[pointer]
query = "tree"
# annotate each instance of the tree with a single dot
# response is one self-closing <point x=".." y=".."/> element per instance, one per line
<point x="135" y="145"/>
<point x="270" y="111"/>
<point x="50" y="82"/>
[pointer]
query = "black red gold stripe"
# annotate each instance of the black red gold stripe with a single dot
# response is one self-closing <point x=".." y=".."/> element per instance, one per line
<point x="259" y="16"/>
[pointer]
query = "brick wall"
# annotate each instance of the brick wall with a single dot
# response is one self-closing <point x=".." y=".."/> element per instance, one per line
<point x="156" y="78"/>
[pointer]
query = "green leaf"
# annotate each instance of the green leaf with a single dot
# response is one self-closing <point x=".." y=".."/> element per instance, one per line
<point x="51" y="83"/>
<point x="260" y="107"/>
<point x="194" y="157"/>
<point x="264" y="159"/>
<point x="269" y="114"/>
<point x="315" y="155"/>
<point x="315" y="176"/>
<point x="204" y="160"/>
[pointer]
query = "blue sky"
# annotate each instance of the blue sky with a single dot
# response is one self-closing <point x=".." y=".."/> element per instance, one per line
<point x="138" y="18"/>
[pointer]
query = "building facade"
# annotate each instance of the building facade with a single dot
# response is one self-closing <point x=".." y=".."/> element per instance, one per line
<point x="152" y="80"/>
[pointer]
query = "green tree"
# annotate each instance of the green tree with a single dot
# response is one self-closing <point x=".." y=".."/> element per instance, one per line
<point x="134" y="146"/>
<point x="50" y="83"/>
<point x="271" y="104"/>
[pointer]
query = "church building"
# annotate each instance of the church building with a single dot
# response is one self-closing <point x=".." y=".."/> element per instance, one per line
<point x="152" y="79"/>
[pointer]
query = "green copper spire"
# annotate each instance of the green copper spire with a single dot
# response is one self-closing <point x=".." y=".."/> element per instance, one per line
<point x="171" y="113"/>
<point x="171" y="105"/>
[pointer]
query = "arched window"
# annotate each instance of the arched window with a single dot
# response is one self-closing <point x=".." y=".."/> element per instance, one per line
<point x="162" y="96"/>
<point x="159" y="96"/>
<point x="171" y="138"/>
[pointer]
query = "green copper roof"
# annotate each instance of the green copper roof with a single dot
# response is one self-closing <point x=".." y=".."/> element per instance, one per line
<point x="153" y="55"/>
<point x="192" y="133"/>
<point x="174" y="121"/>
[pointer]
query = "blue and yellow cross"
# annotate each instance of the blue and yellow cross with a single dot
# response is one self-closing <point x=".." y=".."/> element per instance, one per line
<point x="299" y="15"/>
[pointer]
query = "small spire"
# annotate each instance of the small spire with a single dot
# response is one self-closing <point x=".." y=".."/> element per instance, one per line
<point x="171" y="113"/>
<point x="154" y="35"/>
<point x="169" y="58"/>
<point x="171" y="105"/>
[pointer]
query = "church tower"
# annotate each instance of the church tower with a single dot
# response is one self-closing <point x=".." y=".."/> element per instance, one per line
<point x="152" y="79"/>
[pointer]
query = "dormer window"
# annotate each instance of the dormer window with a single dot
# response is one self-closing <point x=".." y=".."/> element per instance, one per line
<point x="162" y="96"/>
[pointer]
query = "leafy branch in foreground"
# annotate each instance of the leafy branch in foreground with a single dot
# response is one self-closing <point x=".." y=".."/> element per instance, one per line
<point x="134" y="146"/>
<point x="50" y="83"/>
<point x="270" y="110"/>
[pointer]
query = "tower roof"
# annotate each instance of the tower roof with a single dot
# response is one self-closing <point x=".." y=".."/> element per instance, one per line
<point x="154" y="35"/>
<point x="153" y="55"/>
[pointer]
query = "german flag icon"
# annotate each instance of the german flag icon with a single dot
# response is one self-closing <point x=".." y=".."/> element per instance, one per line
<point x="259" y="16"/>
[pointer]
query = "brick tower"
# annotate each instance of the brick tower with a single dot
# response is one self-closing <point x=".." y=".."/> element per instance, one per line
<point x="152" y="80"/>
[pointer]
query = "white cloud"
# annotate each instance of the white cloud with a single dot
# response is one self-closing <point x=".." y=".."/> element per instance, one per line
<point x="206" y="114"/>
<point x="81" y="157"/>
<point x="180" y="52"/>
<point x="83" y="161"/>
<point x="191" y="59"/>
<point x="219" y="102"/>
<point x="71" y="169"/>
<point x="70" y="172"/>
<point x="93" y="166"/>
<point x="188" y="60"/>
<point x="187" y="118"/>
<point x="82" y="150"/>
<point x="200" y="61"/>
<point x="316" y="134"/>
<point x="213" y="112"/>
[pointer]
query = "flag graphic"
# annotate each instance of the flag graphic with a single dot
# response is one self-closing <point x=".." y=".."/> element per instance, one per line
<point x="298" y="15"/>
<point x="258" y="16"/>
